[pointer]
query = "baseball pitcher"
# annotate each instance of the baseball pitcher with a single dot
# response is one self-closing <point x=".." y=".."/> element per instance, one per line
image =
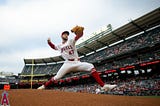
<point x="72" y="62"/>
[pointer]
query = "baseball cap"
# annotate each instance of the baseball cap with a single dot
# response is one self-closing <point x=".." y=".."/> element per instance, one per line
<point x="65" y="32"/>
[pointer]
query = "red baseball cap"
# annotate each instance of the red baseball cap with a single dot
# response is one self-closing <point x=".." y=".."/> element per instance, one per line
<point x="65" y="32"/>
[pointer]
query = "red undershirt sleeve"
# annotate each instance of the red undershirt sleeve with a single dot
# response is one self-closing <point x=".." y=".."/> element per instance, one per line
<point x="52" y="45"/>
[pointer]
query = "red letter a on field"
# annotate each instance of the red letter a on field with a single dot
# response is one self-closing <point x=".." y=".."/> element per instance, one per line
<point x="4" y="100"/>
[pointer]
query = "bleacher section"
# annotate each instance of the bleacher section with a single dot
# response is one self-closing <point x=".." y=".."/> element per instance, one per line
<point x="140" y="41"/>
<point x="41" y="69"/>
<point x="137" y="86"/>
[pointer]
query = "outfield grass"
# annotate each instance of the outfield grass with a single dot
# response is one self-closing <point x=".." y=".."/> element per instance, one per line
<point x="151" y="96"/>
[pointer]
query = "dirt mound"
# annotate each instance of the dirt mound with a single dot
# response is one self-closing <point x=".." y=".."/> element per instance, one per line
<point x="28" y="97"/>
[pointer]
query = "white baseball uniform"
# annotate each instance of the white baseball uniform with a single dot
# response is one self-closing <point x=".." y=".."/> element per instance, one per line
<point x="69" y="53"/>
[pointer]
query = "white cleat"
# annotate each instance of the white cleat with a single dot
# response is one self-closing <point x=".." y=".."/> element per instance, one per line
<point x="41" y="87"/>
<point x="108" y="87"/>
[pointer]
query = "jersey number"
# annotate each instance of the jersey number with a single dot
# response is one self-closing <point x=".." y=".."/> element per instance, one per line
<point x="71" y="52"/>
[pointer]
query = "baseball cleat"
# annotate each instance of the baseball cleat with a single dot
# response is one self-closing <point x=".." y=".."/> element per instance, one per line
<point x="41" y="87"/>
<point x="108" y="87"/>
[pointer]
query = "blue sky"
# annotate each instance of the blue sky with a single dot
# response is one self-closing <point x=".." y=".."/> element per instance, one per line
<point x="25" y="25"/>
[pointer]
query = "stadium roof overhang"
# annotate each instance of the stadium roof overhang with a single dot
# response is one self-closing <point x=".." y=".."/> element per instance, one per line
<point x="43" y="60"/>
<point x="141" y="24"/>
<point x="135" y="26"/>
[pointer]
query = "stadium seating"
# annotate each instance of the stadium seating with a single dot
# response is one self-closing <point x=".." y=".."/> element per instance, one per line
<point x="137" y="86"/>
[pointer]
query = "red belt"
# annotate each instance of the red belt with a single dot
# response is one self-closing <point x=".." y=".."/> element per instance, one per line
<point x="74" y="59"/>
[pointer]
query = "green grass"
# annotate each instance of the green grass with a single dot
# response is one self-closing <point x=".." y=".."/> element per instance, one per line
<point x="151" y="96"/>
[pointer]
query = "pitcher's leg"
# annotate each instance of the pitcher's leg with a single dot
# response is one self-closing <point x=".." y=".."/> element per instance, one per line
<point x="62" y="71"/>
<point x="84" y="66"/>
<point x="96" y="76"/>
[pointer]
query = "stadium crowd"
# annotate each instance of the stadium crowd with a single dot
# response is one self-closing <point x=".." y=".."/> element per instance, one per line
<point x="137" y="86"/>
<point x="149" y="56"/>
<point x="149" y="38"/>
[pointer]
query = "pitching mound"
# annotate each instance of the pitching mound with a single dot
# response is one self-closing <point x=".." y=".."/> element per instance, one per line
<point x="28" y="97"/>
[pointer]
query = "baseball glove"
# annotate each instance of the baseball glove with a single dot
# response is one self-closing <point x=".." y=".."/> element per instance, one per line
<point x="78" y="30"/>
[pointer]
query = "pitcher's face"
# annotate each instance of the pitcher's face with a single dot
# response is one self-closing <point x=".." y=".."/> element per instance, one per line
<point x="65" y="36"/>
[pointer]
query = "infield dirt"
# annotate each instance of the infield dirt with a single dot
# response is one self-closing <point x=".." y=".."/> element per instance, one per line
<point x="28" y="97"/>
